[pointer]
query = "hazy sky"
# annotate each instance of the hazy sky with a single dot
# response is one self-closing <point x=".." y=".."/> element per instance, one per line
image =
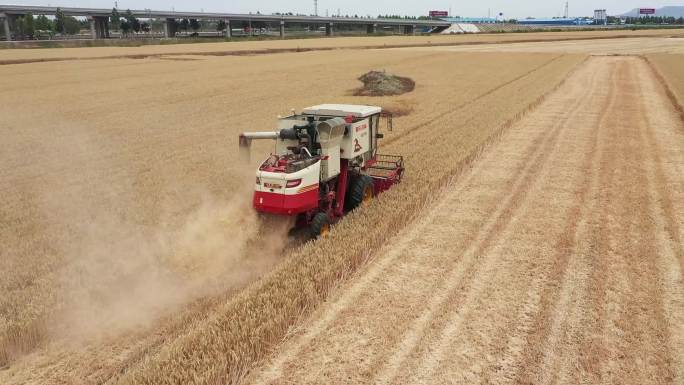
<point x="472" y="8"/>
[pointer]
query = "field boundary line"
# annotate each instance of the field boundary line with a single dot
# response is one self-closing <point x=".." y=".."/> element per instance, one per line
<point x="661" y="209"/>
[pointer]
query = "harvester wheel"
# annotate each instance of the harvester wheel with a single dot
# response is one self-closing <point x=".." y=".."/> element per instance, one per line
<point x="360" y="192"/>
<point x="320" y="225"/>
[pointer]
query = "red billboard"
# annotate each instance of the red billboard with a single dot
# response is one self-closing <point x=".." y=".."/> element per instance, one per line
<point x="647" y="11"/>
<point x="439" y="13"/>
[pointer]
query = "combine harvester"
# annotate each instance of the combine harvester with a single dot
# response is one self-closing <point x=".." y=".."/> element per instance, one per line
<point x="326" y="163"/>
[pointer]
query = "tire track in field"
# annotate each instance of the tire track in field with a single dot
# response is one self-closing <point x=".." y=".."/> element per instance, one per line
<point x="622" y="262"/>
<point x="543" y="337"/>
<point x="437" y="359"/>
<point x="536" y="302"/>
<point x="664" y="165"/>
<point x="591" y="354"/>
<point x="494" y="229"/>
<point x="650" y="308"/>
<point x="540" y="272"/>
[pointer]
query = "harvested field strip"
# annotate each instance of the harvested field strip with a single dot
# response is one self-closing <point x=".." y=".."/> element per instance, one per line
<point x="525" y="178"/>
<point x="551" y="261"/>
<point x="256" y="320"/>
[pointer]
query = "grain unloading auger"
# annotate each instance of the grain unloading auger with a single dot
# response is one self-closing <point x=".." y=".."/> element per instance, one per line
<point x="326" y="163"/>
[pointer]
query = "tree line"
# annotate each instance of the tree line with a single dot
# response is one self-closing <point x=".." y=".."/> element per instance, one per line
<point x="654" y="20"/>
<point x="30" y="26"/>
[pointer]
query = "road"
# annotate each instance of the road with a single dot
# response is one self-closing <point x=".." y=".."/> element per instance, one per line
<point x="557" y="259"/>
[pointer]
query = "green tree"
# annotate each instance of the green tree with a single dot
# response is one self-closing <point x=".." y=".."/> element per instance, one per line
<point x="59" y="21"/>
<point x="43" y="23"/>
<point x="133" y="21"/>
<point x="71" y="25"/>
<point x="194" y="24"/>
<point x="184" y="24"/>
<point x="115" y="19"/>
<point x="221" y="26"/>
<point x="25" y="26"/>
<point x="125" y="27"/>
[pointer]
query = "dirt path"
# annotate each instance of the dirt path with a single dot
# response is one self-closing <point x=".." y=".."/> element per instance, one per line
<point x="557" y="259"/>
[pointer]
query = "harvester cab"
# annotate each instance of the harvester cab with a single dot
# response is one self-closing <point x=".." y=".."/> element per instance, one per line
<point x="325" y="164"/>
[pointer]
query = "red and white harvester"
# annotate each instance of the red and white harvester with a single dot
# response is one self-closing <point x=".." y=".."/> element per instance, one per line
<point x="325" y="164"/>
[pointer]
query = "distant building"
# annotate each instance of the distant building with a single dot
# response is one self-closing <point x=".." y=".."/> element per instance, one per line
<point x="556" y="22"/>
<point x="473" y="20"/>
<point x="600" y="17"/>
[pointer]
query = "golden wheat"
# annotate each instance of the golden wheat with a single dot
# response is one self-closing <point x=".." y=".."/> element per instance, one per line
<point x="113" y="150"/>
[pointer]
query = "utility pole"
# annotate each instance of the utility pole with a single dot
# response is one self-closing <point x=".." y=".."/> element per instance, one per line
<point x="567" y="5"/>
<point x="315" y="7"/>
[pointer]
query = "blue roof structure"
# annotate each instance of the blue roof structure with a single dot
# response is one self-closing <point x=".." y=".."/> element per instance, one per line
<point x="558" y="21"/>
<point x="475" y="20"/>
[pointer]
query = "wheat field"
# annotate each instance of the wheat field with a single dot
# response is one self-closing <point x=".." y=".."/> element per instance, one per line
<point x="130" y="252"/>
<point x="141" y="157"/>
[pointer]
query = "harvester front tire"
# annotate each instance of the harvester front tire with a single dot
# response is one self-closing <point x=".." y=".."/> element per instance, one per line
<point x="360" y="192"/>
<point x="320" y="225"/>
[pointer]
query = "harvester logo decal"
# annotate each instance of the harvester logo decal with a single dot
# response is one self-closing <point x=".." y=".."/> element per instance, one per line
<point x="357" y="145"/>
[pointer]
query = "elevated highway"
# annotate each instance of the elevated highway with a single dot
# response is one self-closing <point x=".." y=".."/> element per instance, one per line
<point x="99" y="19"/>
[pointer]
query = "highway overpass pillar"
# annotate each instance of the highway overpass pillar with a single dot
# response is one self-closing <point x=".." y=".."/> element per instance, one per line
<point x="229" y="31"/>
<point x="372" y="28"/>
<point x="329" y="29"/>
<point x="93" y="32"/>
<point x="99" y="27"/>
<point x="6" y="26"/>
<point x="282" y="29"/>
<point x="170" y="28"/>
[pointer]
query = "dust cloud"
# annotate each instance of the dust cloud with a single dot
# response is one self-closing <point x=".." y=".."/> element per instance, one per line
<point x="130" y="259"/>
<point x="123" y="277"/>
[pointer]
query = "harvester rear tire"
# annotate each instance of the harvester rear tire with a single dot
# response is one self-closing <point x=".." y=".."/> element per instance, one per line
<point x="320" y="225"/>
<point x="360" y="192"/>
